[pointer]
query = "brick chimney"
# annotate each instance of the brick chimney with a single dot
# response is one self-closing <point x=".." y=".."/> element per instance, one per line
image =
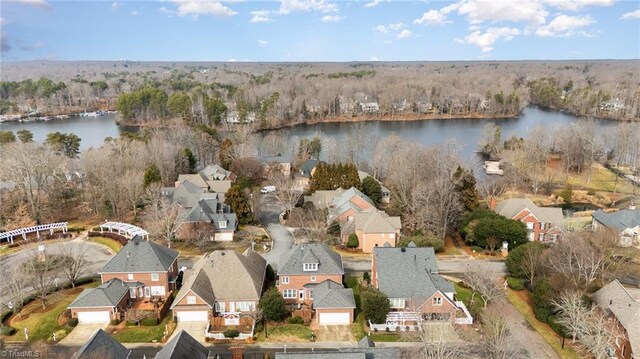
<point x="492" y="203"/>
<point x="237" y="352"/>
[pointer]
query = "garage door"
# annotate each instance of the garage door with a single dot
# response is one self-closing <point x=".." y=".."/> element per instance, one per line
<point x="192" y="316"/>
<point x="93" y="317"/>
<point x="334" y="319"/>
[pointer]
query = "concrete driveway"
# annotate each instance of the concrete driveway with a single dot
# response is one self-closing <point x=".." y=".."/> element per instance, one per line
<point x="269" y="213"/>
<point x="195" y="329"/>
<point x="81" y="333"/>
<point x="334" y="333"/>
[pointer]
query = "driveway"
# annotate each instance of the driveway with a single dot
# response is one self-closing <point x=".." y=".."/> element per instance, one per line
<point x="334" y="333"/>
<point x="195" y="329"/>
<point x="269" y="213"/>
<point x="81" y="333"/>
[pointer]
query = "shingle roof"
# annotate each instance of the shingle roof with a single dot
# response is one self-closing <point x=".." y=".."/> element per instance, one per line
<point x="345" y="198"/>
<point x="409" y="272"/>
<point x="183" y="346"/>
<point x="375" y="221"/>
<point x="195" y="179"/>
<point x="322" y="198"/>
<point x="624" y="306"/>
<point x="291" y="261"/>
<point x="139" y="255"/>
<point x="513" y="206"/>
<point x="207" y="209"/>
<point x="226" y="275"/>
<point x="186" y="194"/>
<point x="619" y="220"/>
<point x="101" y="346"/>
<point x="216" y="173"/>
<point x="221" y="186"/>
<point x="329" y="294"/>
<point x="107" y="294"/>
<point x="307" y="167"/>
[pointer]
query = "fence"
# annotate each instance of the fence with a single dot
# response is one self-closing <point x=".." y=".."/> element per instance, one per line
<point x="468" y="319"/>
<point x="24" y="231"/>
<point x="220" y="336"/>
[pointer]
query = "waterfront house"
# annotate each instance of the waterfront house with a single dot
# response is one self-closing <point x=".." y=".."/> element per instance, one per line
<point x="345" y="206"/>
<point x="623" y="306"/>
<point x="624" y="223"/>
<point x="543" y="223"/>
<point x="374" y="228"/>
<point x="385" y="193"/>
<point x="304" y="173"/>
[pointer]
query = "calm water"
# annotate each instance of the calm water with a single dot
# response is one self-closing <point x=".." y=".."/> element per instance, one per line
<point x="93" y="130"/>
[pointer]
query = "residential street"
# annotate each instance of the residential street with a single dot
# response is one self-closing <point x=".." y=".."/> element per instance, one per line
<point x="268" y="214"/>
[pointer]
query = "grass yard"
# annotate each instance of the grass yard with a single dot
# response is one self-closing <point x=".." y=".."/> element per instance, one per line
<point x="286" y="333"/>
<point x="112" y="244"/>
<point x="43" y="323"/>
<point x="464" y="295"/>
<point x="602" y="179"/>
<point x="390" y="337"/>
<point x="142" y="334"/>
<point x="543" y="329"/>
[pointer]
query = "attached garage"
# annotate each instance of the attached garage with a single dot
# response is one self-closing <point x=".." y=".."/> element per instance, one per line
<point x="94" y="317"/>
<point x="334" y="318"/>
<point x="192" y="316"/>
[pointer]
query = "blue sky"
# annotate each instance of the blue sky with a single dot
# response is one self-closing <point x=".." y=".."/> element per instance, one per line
<point x="319" y="30"/>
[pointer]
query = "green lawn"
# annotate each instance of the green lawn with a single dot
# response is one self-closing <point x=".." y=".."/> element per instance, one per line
<point x="42" y="324"/>
<point x="543" y="329"/>
<point x="464" y="295"/>
<point x="286" y="332"/>
<point x="141" y="334"/>
<point x="112" y="244"/>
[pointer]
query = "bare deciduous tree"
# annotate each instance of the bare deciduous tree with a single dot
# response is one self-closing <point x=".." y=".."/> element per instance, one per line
<point x="438" y="341"/>
<point x="600" y="335"/>
<point x="573" y="313"/>
<point x="41" y="272"/>
<point x="286" y="192"/>
<point x="497" y="343"/>
<point x="15" y="288"/>
<point x="485" y="283"/>
<point x="162" y="221"/>
<point x="74" y="261"/>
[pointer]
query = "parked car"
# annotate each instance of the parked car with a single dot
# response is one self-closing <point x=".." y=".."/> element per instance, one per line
<point x="268" y="189"/>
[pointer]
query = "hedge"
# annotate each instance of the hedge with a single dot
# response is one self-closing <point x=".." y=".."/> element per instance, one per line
<point x="557" y="327"/>
<point x="8" y="331"/>
<point x="231" y="333"/>
<point x="115" y="236"/>
<point x="72" y="322"/>
<point x="515" y="283"/>
<point x="149" y="322"/>
<point x="115" y="321"/>
<point x="296" y="320"/>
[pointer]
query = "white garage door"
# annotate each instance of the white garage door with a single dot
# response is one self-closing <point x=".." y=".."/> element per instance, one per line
<point x="334" y="318"/>
<point x="189" y="316"/>
<point x="93" y="317"/>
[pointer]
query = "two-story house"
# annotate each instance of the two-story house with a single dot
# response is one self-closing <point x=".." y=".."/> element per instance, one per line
<point x="622" y="305"/>
<point x="303" y="175"/>
<point x="223" y="284"/>
<point x="348" y="203"/>
<point x="409" y="277"/>
<point x="624" y="223"/>
<point x="374" y="228"/>
<point x="312" y="274"/>
<point x="142" y="270"/>
<point x="212" y="178"/>
<point x="543" y="223"/>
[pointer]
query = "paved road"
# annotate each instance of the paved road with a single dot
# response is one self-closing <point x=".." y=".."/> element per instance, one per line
<point x="97" y="256"/>
<point x="446" y="266"/>
<point x="269" y="213"/>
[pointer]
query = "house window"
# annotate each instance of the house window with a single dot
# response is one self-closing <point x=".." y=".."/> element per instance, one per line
<point x="530" y="225"/>
<point x="307" y="267"/>
<point x="437" y="301"/>
<point x="311" y="294"/>
<point x="130" y="276"/>
<point x="313" y="278"/>
<point x="542" y="225"/>
<point x="158" y="290"/>
<point x="222" y="224"/>
<point x="289" y="294"/>
<point x="397" y="303"/>
<point x="391" y="235"/>
<point x="219" y="307"/>
<point x="541" y="237"/>
<point x="245" y="306"/>
<point x="191" y="299"/>
<point x="285" y="280"/>
<point x="155" y="277"/>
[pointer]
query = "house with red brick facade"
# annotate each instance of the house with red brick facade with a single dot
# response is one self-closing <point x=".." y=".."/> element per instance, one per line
<point x="409" y="277"/>
<point x="345" y="206"/>
<point x="543" y="223"/>
<point x="374" y="228"/>
<point x="622" y="305"/>
<point x="312" y="274"/>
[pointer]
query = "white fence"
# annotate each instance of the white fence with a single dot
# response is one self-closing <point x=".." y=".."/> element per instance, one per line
<point x="37" y="229"/>
<point x="220" y="336"/>
<point x="468" y="320"/>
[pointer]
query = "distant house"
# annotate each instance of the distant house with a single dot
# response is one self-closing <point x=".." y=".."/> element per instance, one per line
<point x="183" y="346"/>
<point x="303" y="175"/>
<point x="347" y="204"/>
<point x="624" y="223"/>
<point x="217" y="173"/>
<point x="613" y="105"/>
<point x="543" y="223"/>
<point x="366" y="349"/>
<point x="385" y="194"/>
<point x="223" y="284"/>
<point x="212" y="178"/>
<point x="424" y="106"/>
<point x="369" y="107"/>
<point x="233" y="117"/>
<point x="323" y="199"/>
<point x="409" y="277"/>
<point x="276" y="164"/>
<point x="619" y="304"/>
<point x="312" y="274"/>
<point x="101" y="345"/>
<point x="374" y="228"/>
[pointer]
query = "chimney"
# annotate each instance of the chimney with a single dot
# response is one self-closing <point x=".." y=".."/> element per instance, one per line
<point x="237" y="352"/>
<point x="492" y="203"/>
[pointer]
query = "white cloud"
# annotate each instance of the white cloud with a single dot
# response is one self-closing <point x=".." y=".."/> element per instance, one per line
<point x="261" y="16"/>
<point x="374" y="3"/>
<point x="134" y="13"/>
<point x="479" y="11"/>
<point x="41" y="4"/>
<point x="289" y="6"/>
<point x="202" y="7"/>
<point x="373" y="58"/>
<point x="262" y="43"/>
<point x="631" y="15"/>
<point x="575" y="5"/>
<point x="565" y="26"/>
<point x="381" y="29"/>
<point x="486" y="40"/>
<point x="330" y="18"/>
<point x="115" y="5"/>
<point x="397" y="26"/>
<point x="404" y="34"/>
<point x="385" y="29"/>
<point x="432" y="17"/>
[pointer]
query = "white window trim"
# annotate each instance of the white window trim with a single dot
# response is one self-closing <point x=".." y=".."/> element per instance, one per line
<point x="290" y="294"/>
<point x="191" y="299"/>
<point x="437" y="301"/>
<point x="130" y="276"/>
<point x="222" y="224"/>
<point x="285" y="280"/>
<point x="313" y="278"/>
<point x="310" y="267"/>
<point x="155" y="277"/>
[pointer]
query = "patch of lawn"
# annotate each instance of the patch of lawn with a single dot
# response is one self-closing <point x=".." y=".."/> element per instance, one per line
<point x="386" y="337"/>
<point x="357" y="328"/>
<point x="141" y="334"/>
<point x="543" y="329"/>
<point x="112" y="244"/>
<point x="352" y="282"/>
<point x="464" y="295"/>
<point x="602" y="179"/>
<point x="286" y="332"/>
<point x="43" y="323"/>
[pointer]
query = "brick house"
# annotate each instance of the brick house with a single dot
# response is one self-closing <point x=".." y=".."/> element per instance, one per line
<point x="311" y="274"/>
<point x="102" y="304"/>
<point x="409" y="277"/>
<point x="624" y="223"/>
<point x="345" y="206"/>
<point x="622" y="305"/>
<point x="543" y="223"/>
<point x="374" y="228"/>
<point x="223" y="284"/>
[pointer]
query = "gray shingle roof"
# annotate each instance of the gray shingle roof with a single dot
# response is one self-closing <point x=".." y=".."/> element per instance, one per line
<point x="207" y="209"/>
<point x="139" y="255"/>
<point x="513" y="206"/>
<point x="186" y="194"/>
<point x="183" y="346"/>
<point x="624" y="306"/>
<point x="409" y="272"/>
<point x="343" y="202"/>
<point x="330" y="294"/>
<point x="291" y="261"/>
<point x="105" y="295"/>
<point x="375" y="221"/>
<point x="619" y="220"/>
<point x="216" y="173"/>
<point x="101" y="346"/>
<point x="306" y="168"/>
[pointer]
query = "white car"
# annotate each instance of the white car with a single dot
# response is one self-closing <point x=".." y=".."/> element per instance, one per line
<point x="268" y="189"/>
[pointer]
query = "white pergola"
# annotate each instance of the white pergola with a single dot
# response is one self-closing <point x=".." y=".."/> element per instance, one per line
<point x="51" y="227"/>
<point x="124" y="229"/>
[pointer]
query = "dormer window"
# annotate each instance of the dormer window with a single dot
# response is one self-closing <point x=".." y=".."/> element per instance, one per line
<point x="310" y="267"/>
<point x="222" y="224"/>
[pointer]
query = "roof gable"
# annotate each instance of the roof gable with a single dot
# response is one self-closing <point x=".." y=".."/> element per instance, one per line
<point x="107" y="294"/>
<point x="329" y="262"/>
<point x="620" y="220"/>
<point x="139" y="255"/>
<point x="329" y="294"/>
<point x="102" y="345"/>
<point x="183" y="346"/>
<point x="511" y="207"/>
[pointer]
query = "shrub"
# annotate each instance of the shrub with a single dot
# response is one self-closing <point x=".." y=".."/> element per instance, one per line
<point x="149" y="322"/>
<point x="566" y="195"/>
<point x="296" y="320"/>
<point x="132" y="323"/>
<point x="518" y="258"/>
<point x="115" y="322"/>
<point x="231" y="333"/>
<point x="515" y="283"/>
<point x="591" y="192"/>
<point x="73" y="322"/>
<point x="557" y="327"/>
<point x="423" y="241"/>
<point x="542" y="295"/>
<point x="273" y="306"/>
<point x="477" y="249"/>
<point x="375" y="305"/>
<point x="366" y="277"/>
<point x="75" y="228"/>
<point x="353" y="241"/>
<point x="59" y="335"/>
<point x="8" y="331"/>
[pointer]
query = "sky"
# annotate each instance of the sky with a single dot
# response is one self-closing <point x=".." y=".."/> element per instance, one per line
<point x="319" y="30"/>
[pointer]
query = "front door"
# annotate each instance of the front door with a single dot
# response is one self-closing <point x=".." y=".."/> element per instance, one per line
<point x="232" y="306"/>
<point x="147" y="292"/>
<point x="301" y="294"/>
